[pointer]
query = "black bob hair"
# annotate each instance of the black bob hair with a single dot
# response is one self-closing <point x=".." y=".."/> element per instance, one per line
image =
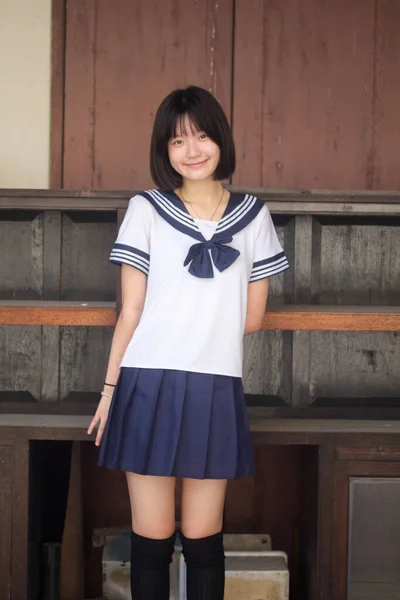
<point x="206" y="114"/>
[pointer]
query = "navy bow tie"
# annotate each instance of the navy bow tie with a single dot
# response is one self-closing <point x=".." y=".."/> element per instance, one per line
<point x="199" y="257"/>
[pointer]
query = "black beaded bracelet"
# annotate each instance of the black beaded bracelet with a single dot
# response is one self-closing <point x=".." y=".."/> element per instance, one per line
<point x="109" y="384"/>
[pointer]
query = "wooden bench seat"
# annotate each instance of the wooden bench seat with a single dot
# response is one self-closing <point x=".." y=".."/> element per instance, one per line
<point x="282" y="317"/>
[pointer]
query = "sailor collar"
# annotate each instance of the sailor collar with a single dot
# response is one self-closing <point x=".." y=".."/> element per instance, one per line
<point x="240" y="211"/>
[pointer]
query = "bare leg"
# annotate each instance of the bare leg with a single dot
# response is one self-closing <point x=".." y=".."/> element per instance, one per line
<point x="202" y="512"/>
<point x="153" y="532"/>
<point x="152" y="505"/>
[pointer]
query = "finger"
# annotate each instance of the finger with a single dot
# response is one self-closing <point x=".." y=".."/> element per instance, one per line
<point x="93" y="423"/>
<point x="100" y="432"/>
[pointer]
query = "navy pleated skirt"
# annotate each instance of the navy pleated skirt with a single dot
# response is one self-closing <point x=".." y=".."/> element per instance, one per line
<point x="178" y="424"/>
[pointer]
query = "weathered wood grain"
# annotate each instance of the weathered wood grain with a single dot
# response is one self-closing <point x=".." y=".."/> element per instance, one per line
<point x="338" y="318"/>
<point x="20" y="359"/>
<point x="6" y="500"/>
<point x="79" y="94"/>
<point x="359" y="263"/>
<point x="386" y="150"/>
<point x="87" y="239"/>
<point x="57" y="91"/>
<point x="262" y="365"/>
<point x="50" y="348"/>
<point x="277" y="317"/>
<point x="79" y="424"/>
<point x="68" y="314"/>
<point x="120" y="64"/>
<point x="302" y="279"/>
<point x="363" y="365"/>
<point x="303" y="113"/>
<point x="283" y="201"/>
<point x="84" y="353"/>
<point x="52" y="239"/>
<point x="20" y="511"/>
<point x="21" y="248"/>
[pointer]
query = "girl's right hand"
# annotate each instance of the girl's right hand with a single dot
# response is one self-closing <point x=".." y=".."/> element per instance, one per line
<point x="100" y="417"/>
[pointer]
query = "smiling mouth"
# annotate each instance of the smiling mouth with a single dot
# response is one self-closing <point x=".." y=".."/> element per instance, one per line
<point x="198" y="164"/>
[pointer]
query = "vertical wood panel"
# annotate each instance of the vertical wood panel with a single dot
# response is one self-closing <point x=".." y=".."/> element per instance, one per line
<point x="355" y="364"/>
<point x="315" y="96"/>
<point x="327" y="500"/>
<point x="249" y="91"/>
<point x="239" y="516"/>
<point x="301" y="349"/>
<point x="19" y="559"/>
<point x="87" y="240"/>
<point x="277" y="501"/>
<point x="267" y="353"/>
<point x="358" y="262"/>
<point x="6" y="473"/>
<point x="20" y="359"/>
<point x="120" y="65"/>
<point x="84" y="352"/>
<point x="21" y="239"/>
<point x="262" y="365"/>
<point x="5" y="544"/>
<point x="51" y="291"/>
<point x="303" y="92"/>
<point x="57" y="91"/>
<point x="79" y="113"/>
<point x="387" y="92"/>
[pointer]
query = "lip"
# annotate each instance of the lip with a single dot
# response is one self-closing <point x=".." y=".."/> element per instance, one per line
<point x="194" y="165"/>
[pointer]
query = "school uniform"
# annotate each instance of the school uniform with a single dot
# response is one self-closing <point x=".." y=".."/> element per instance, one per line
<point x="178" y="408"/>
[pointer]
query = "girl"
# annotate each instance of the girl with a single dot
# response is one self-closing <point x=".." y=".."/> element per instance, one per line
<point x="195" y="267"/>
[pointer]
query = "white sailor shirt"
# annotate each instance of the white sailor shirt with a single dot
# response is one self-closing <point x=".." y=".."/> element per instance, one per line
<point x="198" y="274"/>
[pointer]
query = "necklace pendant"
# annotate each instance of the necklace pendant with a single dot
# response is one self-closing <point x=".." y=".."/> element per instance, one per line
<point x="195" y="211"/>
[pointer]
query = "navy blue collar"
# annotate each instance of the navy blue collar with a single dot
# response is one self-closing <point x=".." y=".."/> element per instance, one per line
<point x="240" y="211"/>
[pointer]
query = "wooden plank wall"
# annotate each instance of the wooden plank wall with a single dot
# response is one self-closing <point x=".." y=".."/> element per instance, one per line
<point x="338" y="260"/>
<point x="311" y="65"/>
<point x="120" y="64"/>
<point x="6" y="497"/>
<point x="55" y="256"/>
<point x="310" y="87"/>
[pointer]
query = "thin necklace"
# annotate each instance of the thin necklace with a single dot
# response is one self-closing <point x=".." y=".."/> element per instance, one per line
<point x="195" y="211"/>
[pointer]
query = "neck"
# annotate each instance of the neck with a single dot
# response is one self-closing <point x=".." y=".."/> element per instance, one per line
<point x="205" y="193"/>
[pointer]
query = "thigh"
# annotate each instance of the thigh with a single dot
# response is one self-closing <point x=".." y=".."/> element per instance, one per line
<point x="152" y="505"/>
<point x="202" y="506"/>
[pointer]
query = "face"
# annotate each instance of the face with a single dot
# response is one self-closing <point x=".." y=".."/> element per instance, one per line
<point x="192" y="153"/>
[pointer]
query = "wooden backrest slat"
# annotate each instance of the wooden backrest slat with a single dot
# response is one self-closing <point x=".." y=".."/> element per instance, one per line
<point x="283" y="317"/>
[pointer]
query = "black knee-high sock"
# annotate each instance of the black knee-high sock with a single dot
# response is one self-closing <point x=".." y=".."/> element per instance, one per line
<point x="205" y="567"/>
<point x="150" y="560"/>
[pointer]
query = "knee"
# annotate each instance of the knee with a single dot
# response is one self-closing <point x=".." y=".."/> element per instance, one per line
<point x="154" y="530"/>
<point x="203" y="552"/>
<point x="195" y="528"/>
<point x="198" y="530"/>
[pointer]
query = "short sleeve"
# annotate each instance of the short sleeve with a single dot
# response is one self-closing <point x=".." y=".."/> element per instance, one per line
<point x="269" y="257"/>
<point x="132" y="246"/>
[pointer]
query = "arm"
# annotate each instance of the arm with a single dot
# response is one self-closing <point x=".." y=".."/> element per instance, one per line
<point x="133" y="284"/>
<point x="133" y="287"/>
<point x="257" y="294"/>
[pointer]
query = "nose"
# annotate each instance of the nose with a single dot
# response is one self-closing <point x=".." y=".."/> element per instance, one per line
<point x="193" y="150"/>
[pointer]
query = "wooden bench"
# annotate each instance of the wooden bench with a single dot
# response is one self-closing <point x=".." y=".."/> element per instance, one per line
<point x="282" y="317"/>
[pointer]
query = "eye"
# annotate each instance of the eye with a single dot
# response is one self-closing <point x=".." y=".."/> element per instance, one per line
<point x="203" y="136"/>
<point x="176" y="142"/>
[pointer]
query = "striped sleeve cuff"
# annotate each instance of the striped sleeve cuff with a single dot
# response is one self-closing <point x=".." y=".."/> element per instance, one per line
<point x="269" y="266"/>
<point x="121" y="253"/>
